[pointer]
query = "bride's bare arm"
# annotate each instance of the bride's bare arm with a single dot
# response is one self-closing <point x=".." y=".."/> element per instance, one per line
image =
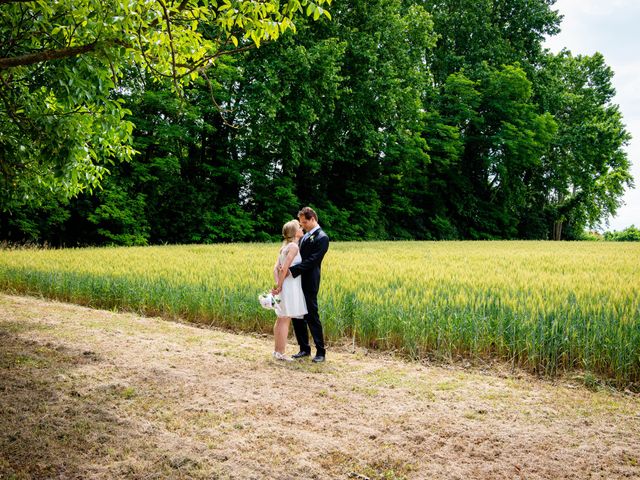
<point x="284" y="270"/>
<point x="275" y="270"/>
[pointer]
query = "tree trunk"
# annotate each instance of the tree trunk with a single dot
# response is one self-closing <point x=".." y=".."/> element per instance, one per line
<point x="557" y="229"/>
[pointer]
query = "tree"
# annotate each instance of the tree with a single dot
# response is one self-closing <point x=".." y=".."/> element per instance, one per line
<point x="584" y="177"/>
<point x="496" y="32"/>
<point x="332" y="120"/>
<point x="486" y="189"/>
<point x="60" y="63"/>
<point x="484" y="128"/>
<point x="629" y="234"/>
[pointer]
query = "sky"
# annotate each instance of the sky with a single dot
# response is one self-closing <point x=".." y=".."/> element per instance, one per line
<point x="610" y="27"/>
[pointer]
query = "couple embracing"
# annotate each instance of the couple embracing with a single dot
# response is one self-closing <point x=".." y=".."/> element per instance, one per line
<point x="297" y="276"/>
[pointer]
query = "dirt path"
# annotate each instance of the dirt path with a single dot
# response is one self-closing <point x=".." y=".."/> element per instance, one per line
<point x="95" y="394"/>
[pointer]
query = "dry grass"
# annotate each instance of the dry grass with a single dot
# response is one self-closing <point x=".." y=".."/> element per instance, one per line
<point x="95" y="394"/>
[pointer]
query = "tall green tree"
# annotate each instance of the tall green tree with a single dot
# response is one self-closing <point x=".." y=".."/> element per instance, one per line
<point x="583" y="179"/>
<point x="500" y="139"/>
<point x="185" y="169"/>
<point x="484" y="141"/>
<point x="61" y="61"/>
<point x="496" y="32"/>
<point x="333" y="119"/>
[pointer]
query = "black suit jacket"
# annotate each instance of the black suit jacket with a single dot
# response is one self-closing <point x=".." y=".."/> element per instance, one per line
<point x="312" y="252"/>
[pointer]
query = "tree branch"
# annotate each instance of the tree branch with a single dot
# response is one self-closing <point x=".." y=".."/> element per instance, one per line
<point x="213" y="99"/>
<point x="43" y="56"/>
<point x="15" y="1"/>
<point x="207" y="62"/>
<point x="183" y="5"/>
<point x="173" y="51"/>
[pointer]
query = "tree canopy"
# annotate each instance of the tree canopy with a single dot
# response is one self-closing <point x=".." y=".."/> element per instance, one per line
<point x="395" y="119"/>
<point x="61" y="63"/>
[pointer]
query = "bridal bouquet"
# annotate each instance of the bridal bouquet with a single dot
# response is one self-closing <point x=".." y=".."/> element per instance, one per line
<point x="268" y="300"/>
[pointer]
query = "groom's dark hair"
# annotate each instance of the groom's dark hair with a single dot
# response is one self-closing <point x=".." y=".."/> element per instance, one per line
<point x="308" y="213"/>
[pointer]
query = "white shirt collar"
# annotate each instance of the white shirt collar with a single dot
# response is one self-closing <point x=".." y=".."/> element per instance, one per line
<point x="310" y="232"/>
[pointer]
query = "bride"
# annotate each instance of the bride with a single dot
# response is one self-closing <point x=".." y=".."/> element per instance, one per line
<point x="292" y="303"/>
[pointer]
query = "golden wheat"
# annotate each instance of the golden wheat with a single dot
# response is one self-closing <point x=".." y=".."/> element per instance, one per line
<point x="545" y="306"/>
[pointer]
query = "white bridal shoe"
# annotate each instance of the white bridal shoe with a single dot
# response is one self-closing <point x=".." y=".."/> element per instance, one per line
<point x="281" y="356"/>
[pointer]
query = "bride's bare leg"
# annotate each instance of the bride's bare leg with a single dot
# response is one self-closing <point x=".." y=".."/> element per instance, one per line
<point x="281" y="332"/>
<point x="275" y="333"/>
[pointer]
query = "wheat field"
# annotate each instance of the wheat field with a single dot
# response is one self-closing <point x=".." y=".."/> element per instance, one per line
<point x="548" y="307"/>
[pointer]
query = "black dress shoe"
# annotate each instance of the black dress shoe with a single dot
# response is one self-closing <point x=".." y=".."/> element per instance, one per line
<point x="301" y="354"/>
<point x="318" y="359"/>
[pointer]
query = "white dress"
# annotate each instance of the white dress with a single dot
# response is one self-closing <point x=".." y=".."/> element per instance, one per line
<point x="292" y="303"/>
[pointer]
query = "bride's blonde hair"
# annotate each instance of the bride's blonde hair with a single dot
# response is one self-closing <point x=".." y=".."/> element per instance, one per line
<point x="289" y="231"/>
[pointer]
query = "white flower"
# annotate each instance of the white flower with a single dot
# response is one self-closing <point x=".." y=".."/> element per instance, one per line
<point x="268" y="300"/>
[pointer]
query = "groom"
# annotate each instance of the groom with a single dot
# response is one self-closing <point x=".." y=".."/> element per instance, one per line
<point x="313" y="246"/>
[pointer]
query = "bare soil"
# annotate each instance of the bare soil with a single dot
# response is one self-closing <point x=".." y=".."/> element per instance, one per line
<point x="96" y="394"/>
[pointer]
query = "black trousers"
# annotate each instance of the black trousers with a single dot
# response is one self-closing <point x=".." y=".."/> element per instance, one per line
<point x="312" y="321"/>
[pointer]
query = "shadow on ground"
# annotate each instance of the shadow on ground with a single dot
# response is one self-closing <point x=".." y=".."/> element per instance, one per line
<point x="46" y="425"/>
